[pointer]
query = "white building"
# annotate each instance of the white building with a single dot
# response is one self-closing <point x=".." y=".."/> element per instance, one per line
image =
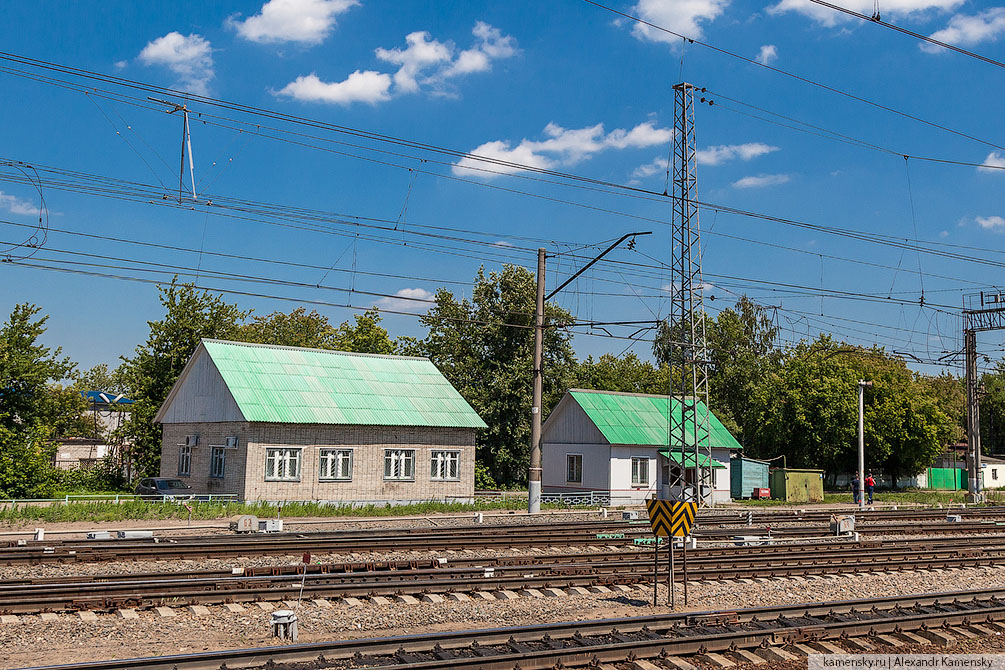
<point x="617" y="443"/>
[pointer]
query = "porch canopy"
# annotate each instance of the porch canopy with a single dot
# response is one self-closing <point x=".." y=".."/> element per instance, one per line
<point x="686" y="460"/>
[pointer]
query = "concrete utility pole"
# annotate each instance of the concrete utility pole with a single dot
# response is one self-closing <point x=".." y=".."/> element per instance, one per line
<point x="861" y="442"/>
<point x="973" y="416"/>
<point x="534" y="472"/>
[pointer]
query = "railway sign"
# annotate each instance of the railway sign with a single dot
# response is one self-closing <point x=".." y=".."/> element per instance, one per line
<point x="671" y="519"/>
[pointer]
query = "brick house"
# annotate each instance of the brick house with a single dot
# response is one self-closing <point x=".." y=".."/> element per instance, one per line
<point x="275" y="423"/>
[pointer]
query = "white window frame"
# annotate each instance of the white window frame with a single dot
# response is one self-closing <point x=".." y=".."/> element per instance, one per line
<point x="184" y="460"/>
<point x="336" y="458"/>
<point x="399" y="465"/>
<point x="637" y="462"/>
<point x="217" y="455"/>
<point x="278" y="461"/>
<point x="569" y="460"/>
<point x="441" y="462"/>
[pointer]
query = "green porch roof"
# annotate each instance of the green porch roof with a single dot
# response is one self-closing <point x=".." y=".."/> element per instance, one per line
<point x="294" y="385"/>
<point x="631" y="418"/>
<point x="686" y="459"/>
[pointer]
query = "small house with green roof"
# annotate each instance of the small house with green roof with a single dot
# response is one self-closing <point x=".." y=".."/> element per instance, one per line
<point x="618" y="443"/>
<point x="266" y="422"/>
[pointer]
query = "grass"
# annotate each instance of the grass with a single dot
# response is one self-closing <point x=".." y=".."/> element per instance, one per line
<point x="139" y="510"/>
<point x="917" y="497"/>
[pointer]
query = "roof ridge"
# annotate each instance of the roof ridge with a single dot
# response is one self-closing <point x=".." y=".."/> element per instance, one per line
<point x="624" y="393"/>
<point x="323" y="351"/>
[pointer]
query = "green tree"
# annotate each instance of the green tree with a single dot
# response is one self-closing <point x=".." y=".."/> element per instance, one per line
<point x="190" y="316"/>
<point x="315" y="331"/>
<point x="34" y="408"/>
<point x="625" y="374"/>
<point x="992" y="410"/>
<point x="485" y="348"/>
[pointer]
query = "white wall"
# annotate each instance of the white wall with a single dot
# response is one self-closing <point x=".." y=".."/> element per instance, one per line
<point x="200" y="395"/>
<point x="596" y="470"/>
<point x="990" y="470"/>
<point x="622" y="491"/>
<point x="720" y="476"/>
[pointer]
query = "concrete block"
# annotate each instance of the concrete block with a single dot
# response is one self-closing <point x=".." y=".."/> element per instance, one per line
<point x="380" y="600"/>
<point x="127" y="613"/>
<point x="406" y="599"/>
<point x="505" y="595"/>
<point x="962" y="632"/>
<point x="553" y="592"/>
<point x="889" y="641"/>
<point x="642" y="664"/>
<point x="52" y="616"/>
<point x="265" y="606"/>
<point x="236" y="608"/>
<point x="857" y="644"/>
<point x="939" y="637"/>
<point x="431" y="598"/>
<point x="577" y="591"/>
<point x="351" y="602"/>
<point x="598" y="589"/>
<point x="165" y="612"/>
<point x="717" y="660"/>
<point x="981" y="629"/>
<point x="458" y="597"/>
<point x="289" y="604"/>
<point x="87" y="615"/>
<point x="620" y="588"/>
<point x="482" y="595"/>
<point x="828" y="647"/>
<point x="802" y="649"/>
<point x="913" y="638"/>
<point x="531" y="593"/>
<point x="8" y="618"/>
<point x="776" y="654"/>
<point x="198" y="610"/>
<point x="322" y="603"/>
<point x="747" y="656"/>
<point x="677" y="663"/>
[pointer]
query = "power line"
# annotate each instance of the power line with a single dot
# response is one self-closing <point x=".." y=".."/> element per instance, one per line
<point x="792" y="75"/>
<point x="925" y="38"/>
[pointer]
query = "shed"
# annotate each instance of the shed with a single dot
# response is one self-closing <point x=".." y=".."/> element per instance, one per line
<point x="618" y="444"/>
<point x="265" y="422"/>
<point x="797" y="485"/>
<point x="745" y="475"/>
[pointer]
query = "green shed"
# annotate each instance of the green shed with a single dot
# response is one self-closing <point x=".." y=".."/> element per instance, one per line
<point x="745" y="475"/>
<point x="797" y="485"/>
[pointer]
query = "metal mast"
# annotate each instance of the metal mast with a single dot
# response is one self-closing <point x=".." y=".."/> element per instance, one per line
<point x="688" y="428"/>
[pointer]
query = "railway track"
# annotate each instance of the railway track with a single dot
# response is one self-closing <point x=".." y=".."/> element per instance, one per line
<point x="472" y="574"/>
<point x="767" y="632"/>
<point x="436" y="539"/>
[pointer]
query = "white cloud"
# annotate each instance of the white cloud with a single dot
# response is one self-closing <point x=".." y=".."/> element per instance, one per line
<point x="726" y="152"/>
<point x="16" y="205"/>
<point x="969" y="30"/>
<point x="369" y="86"/>
<point x="304" y="21"/>
<point x="190" y="57"/>
<point x="991" y="222"/>
<point x="767" y="55"/>
<point x="421" y="53"/>
<point x="681" y="16"/>
<point x="121" y="64"/>
<point x="490" y="45"/>
<point x="890" y="8"/>
<point x="761" y="180"/>
<point x="563" y="147"/>
<point x="993" y="161"/>
<point x="407" y="300"/>
<point x="655" y="166"/>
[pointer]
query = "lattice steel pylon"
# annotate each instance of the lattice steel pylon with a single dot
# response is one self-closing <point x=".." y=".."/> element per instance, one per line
<point x="689" y="436"/>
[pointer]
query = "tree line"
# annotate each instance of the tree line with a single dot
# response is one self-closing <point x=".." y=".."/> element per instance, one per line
<point x="800" y="401"/>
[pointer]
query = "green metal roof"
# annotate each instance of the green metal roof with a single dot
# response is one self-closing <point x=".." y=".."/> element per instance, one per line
<point x="293" y="385"/>
<point x="630" y="418"/>
<point x="686" y="459"/>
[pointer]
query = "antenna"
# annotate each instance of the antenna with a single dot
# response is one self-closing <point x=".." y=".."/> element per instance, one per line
<point x="186" y="144"/>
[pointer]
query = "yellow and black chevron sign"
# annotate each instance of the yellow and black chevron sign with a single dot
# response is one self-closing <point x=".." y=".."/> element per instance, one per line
<point x="671" y="519"/>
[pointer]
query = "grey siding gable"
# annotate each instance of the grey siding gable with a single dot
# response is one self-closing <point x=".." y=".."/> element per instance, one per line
<point x="569" y="424"/>
<point x="200" y="395"/>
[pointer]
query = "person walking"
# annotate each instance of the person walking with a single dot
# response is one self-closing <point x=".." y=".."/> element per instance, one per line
<point x="870" y="486"/>
<point x="854" y="487"/>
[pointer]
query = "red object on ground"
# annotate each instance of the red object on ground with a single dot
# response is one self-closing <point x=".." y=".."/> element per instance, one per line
<point x="306" y="558"/>
<point x="762" y="494"/>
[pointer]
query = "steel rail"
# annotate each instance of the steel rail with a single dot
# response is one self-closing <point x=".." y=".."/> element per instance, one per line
<point x="609" y="640"/>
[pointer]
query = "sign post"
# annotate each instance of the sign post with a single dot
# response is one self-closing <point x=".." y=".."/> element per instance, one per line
<point x="670" y="519"/>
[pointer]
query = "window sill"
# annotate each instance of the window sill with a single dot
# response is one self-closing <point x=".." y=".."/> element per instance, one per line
<point x="287" y="481"/>
<point x="444" y="479"/>
<point x="331" y="480"/>
<point x="386" y="479"/>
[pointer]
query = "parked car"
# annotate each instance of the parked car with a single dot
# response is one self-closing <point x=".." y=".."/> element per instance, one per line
<point x="157" y="488"/>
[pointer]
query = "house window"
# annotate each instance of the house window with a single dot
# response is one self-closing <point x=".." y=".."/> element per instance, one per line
<point x="445" y="465"/>
<point x="184" y="461"/>
<point x="399" y="464"/>
<point x="994" y="473"/>
<point x="335" y="464"/>
<point x="640" y="472"/>
<point x="217" y="462"/>
<point x="574" y="463"/>
<point x="282" y="465"/>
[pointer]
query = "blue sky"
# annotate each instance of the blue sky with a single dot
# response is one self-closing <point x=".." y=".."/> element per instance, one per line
<point x="563" y="86"/>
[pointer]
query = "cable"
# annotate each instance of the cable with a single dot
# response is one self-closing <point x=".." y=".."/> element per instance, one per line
<point x="931" y="40"/>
